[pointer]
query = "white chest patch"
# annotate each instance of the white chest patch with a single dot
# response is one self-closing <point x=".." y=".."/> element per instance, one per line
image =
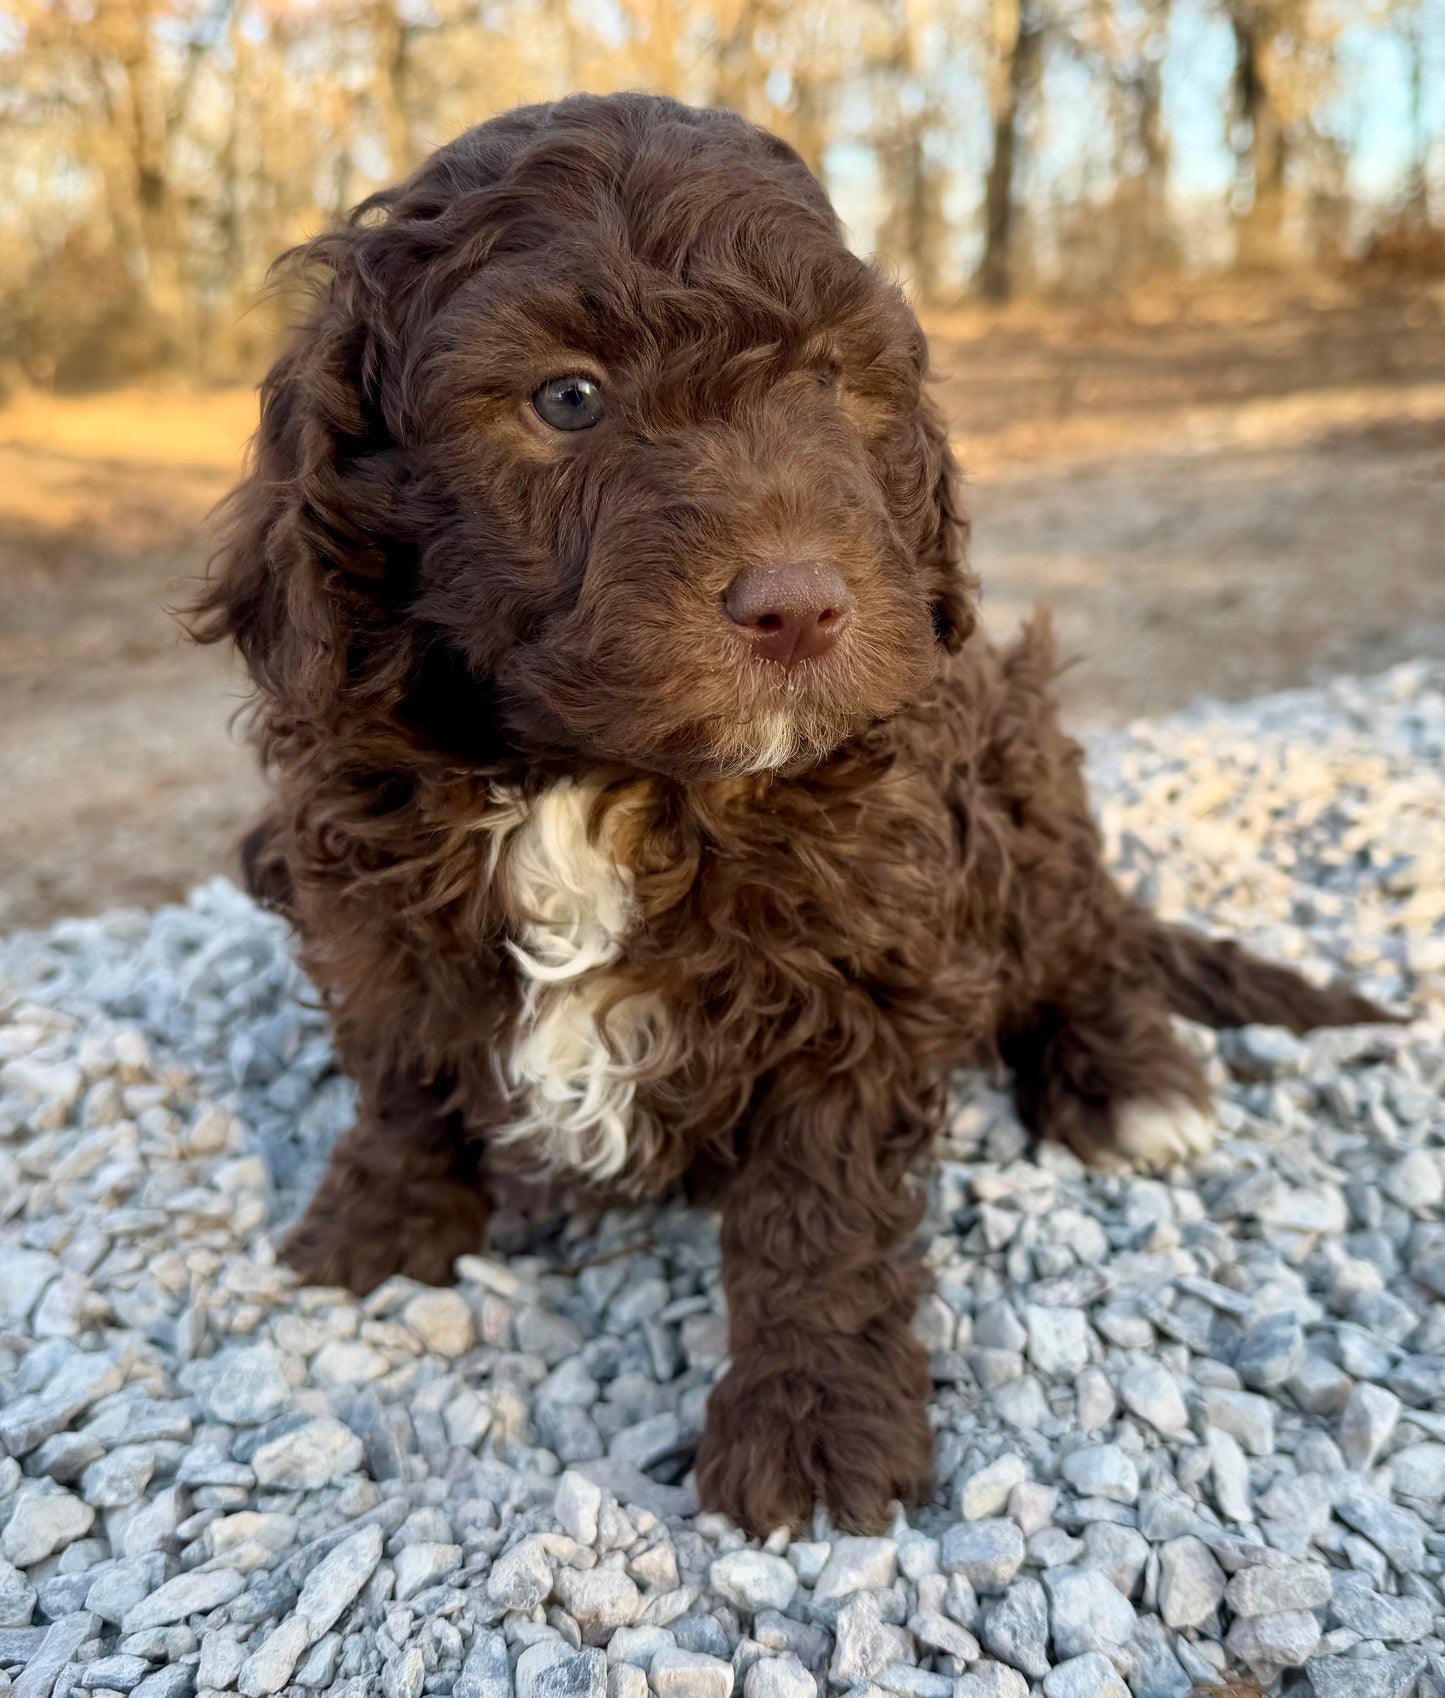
<point x="574" y="1081"/>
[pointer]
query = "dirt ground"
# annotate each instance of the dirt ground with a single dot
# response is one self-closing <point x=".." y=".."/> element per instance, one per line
<point x="1217" y="491"/>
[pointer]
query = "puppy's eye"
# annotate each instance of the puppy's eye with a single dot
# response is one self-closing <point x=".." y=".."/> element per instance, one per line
<point x="828" y="376"/>
<point x="569" y="403"/>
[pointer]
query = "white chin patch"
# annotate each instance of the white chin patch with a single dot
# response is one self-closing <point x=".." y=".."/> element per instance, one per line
<point x="1154" y="1133"/>
<point x="771" y="742"/>
<point x="763" y="744"/>
<point x="778" y="742"/>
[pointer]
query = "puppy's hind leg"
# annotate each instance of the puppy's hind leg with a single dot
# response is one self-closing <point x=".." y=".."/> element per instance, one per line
<point x="264" y="869"/>
<point x="1101" y="1070"/>
<point x="403" y="1194"/>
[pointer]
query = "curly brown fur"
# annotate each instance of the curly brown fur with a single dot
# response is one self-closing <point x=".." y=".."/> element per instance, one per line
<point x="589" y="883"/>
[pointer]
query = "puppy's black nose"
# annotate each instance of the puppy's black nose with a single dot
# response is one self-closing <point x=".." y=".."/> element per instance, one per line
<point x="791" y="610"/>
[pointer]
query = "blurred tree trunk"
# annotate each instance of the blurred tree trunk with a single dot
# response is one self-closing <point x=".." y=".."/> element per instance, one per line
<point x="1417" y="196"/>
<point x="913" y="228"/>
<point x="143" y="208"/>
<point x="664" y="70"/>
<point x="1017" y="53"/>
<point x="807" y="127"/>
<point x="739" y="74"/>
<point x="1152" y="135"/>
<point x="391" y="38"/>
<point x="1261" y="142"/>
<point x="560" y="14"/>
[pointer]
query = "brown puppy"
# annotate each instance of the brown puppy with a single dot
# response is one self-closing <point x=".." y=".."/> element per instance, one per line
<point x="644" y="804"/>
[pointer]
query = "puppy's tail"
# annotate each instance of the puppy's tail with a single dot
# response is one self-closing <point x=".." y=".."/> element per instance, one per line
<point x="1219" y="984"/>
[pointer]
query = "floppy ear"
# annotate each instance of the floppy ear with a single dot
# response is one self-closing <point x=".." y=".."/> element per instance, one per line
<point x="943" y="552"/>
<point x="305" y="540"/>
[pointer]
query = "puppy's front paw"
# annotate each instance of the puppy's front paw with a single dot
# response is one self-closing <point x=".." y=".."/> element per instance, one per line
<point x="781" y="1438"/>
<point x="358" y="1242"/>
<point x="1155" y="1133"/>
<point x="323" y="1251"/>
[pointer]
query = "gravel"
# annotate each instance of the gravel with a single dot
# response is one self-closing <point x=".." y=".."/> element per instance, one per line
<point x="855" y="1565"/>
<point x="1188" y="1426"/>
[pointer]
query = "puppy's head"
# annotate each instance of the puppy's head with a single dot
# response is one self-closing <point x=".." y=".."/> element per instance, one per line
<point x="599" y="445"/>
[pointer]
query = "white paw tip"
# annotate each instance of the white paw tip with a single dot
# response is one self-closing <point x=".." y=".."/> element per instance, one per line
<point x="1158" y="1132"/>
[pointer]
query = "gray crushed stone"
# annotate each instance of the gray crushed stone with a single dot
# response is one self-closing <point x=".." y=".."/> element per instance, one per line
<point x="1187" y="1426"/>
